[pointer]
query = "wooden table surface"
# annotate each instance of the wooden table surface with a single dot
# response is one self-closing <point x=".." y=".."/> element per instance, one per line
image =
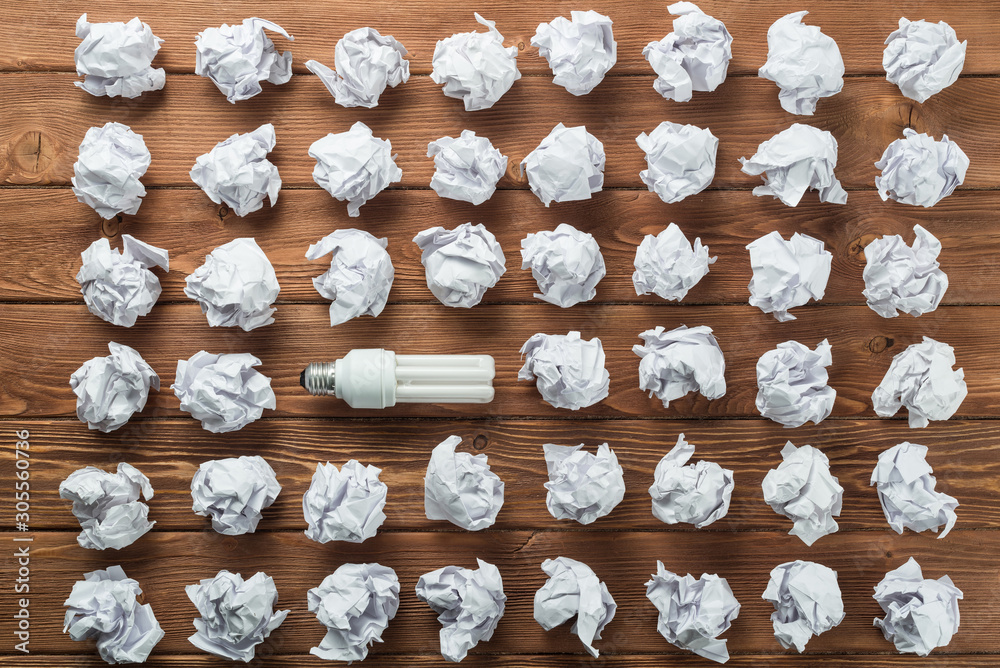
<point x="46" y="331"/>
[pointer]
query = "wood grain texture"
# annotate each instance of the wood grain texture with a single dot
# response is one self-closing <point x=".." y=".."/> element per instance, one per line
<point x="50" y="117"/>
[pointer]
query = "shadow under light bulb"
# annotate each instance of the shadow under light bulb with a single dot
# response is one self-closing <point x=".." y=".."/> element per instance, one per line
<point x="377" y="378"/>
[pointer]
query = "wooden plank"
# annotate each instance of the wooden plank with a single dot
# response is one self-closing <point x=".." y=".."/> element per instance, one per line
<point x="963" y="454"/>
<point x="49" y="118"/>
<point x="166" y="562"/>
<point x="32" y="45"/>
<point x="44" y="265"/>
<point x="44" y="344"/>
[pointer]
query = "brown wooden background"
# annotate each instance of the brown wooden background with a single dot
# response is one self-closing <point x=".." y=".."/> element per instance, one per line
<point x="46" y="331"/>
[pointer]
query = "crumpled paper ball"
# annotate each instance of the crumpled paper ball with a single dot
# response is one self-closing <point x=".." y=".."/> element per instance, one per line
<point x="238" y="174"/>
<point x="922" y="379"/>
<point x="680" y="361"/>
<point x="680" y="160"/>
<point x="579" y="51"/>
<point x="695" y="56"/>
<point x="354" y="166"/>
<point x="469" y="603"/>
<point x="807" y="602"/>
<point x="461" y="488"/>
<point x="236" y="614"/>
<point x="787" y="274"/>
<point x="568" y="371"/>
<point x="106" y="174"/>
<point x="904" y="278"/>
<point x="344" y="505"/>
<point x="238" y="57"/>
<point x="923" y="58"/>
<point x="236" y="286"/>
<point x="460" y="264"/>
<point x="223" y="391"/>
<point x="115" y="58"/>
<point x="792" y="384"/>
<point x="233" y="492"/>
<point x="920" y="171"/>
<point x="108" y="506"/>
<point x="355" y="603"/>
<point x="567" y="165"/>
<point x="104" y="606"/>
<point x="804" y="63"/>
<point x="693" y="612"/>
<point x="110" y="389"/>
<point x="668" y="265"/>
<point x="118" y="286"/>
<point x="795" y="160"/>
<point x="697" y="494"/>
<point x="566" y="263"/>
<point x="366" y="62"/>
<point x="582" y="486"/>
<point x="919" y="614"/>
<point x="360" y="274"/>
<point x="573" y="591"/>
<point x="905" y="486"/>
<point x="475" y="67"/>
<point x="803" y="490"/>
<point x="466" y="168"/>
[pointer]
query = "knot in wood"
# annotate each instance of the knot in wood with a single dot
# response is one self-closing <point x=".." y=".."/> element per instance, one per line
<point x="880" y="344"/>
<point x="110" y="227"/>
<point x="480" y="442"/>
<point x="856" y="249"/>
<point x="32" y="154"/>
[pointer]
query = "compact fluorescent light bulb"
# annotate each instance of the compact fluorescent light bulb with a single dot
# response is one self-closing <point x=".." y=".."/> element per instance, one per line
<point x="376" y="378"/>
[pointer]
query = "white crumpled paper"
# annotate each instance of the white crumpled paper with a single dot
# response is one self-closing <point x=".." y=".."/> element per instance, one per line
<point x="568" y="371"/>
<point x="904" y="278"/>
<point x="106" y="174"/>
<point x="919" y="614"/>
<point x="804" y="63"/>
<point x="695" y="56"/>
<point x="579" y="51"/>
<point x="803" y="490"/>
<point x="922" y="379"/>
<point x="461" y="488"/>
<point x="110" y="389"/>
<point x="680" y="160"/>
<point x="108" y="506"/>
<point x="920" y="171"/>
<point x="236" y="614"/>
<point x="355" y="603"/>
<point x="475" y="67"/>
<point x="582" y="486"/>
<point x="460" y="265"/>
<point x="566" y="263"/>
<point x="345" y="504"/>
<point x="366" y="63"/>
<point x="567" y="165"/>
<point x="693" y="611"/>
<point x="104" y="606"/>
<point x="668" y="266"/>
<point x="466" y="168"/>
<point x="906" y="491"/>
<point x="697" y="494"/>
<point x="360" y="274"/>
<point x="797" y="159"/>
<point x="787" y="274"/>
<point x="223" y="391"/>
<point x="469" y="603"/>
<point x="354" y="166"/>
<point x="680" y="361"/>
<point x="118" y="286"/>
<point x="573" y="590"/>
<point x="807" y="602"/>
<point x="792" y="384"/>
<point x="233" y="492"/>
<point x="236" y="286"/>
<point x="115" y="58"/>
<point x="238" y="57"/>
<point x="923" y="58"/>
<point x="238" y="174"/>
